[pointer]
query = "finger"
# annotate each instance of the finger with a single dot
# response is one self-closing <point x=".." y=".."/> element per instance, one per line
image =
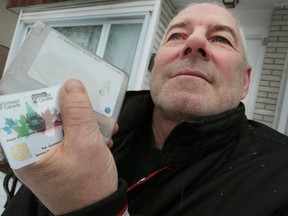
<point x="115" y="128"/>
<point x="110" y="144"/>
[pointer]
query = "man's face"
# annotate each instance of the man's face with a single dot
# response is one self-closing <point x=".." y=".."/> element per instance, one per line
<point x="199" y="68"/>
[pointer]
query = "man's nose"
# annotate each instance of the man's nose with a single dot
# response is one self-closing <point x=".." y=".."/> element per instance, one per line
<point x="196" y="44"/>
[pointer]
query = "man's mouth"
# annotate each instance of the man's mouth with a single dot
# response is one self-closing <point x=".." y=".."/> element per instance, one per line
<point x="193" y="73"/>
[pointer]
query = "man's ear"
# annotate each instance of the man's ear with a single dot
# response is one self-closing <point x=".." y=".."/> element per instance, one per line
<point x="246" y="82"/>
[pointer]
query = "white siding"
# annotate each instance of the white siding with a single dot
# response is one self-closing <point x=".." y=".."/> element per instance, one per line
<point x="167" y="13"/>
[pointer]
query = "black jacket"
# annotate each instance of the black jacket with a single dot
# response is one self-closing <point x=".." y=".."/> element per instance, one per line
<point x="216" y="166"/>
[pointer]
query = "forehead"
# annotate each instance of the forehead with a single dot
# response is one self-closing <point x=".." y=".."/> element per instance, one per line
<point x="207" y="15"/>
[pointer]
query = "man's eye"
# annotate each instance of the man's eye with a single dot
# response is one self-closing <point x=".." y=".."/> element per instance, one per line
<point x="176" y="36"/>
<point x="221" y="40"/>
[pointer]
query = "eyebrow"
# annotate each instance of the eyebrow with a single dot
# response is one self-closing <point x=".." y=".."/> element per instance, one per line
<point x="177" y="25"/>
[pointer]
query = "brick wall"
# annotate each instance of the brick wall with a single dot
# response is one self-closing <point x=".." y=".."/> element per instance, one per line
<point x="21" y="3"/>
<point x="269" y="92"/>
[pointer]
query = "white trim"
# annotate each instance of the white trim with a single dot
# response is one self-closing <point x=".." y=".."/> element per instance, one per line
<point x="139" y="52"/>
<point x="88" y="9"/>
<point x="103" y="39"/>
<point x="83" y="14"/>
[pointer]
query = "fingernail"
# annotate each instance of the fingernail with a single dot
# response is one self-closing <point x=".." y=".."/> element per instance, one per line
<point x="74" y="86"/>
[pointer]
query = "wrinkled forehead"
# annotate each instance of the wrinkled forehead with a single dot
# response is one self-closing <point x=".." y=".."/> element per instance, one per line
<point x="206" y="14"/>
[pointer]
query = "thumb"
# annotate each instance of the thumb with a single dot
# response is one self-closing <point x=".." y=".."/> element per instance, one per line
<point x="76" y="108"/>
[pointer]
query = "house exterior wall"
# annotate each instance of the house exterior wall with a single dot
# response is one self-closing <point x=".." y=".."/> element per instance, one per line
<point x="269" y="92"/>
<point x="8" y="21"/>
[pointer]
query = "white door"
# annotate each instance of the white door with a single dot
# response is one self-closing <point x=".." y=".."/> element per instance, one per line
<point x="283" y="120"/>
<point x="255" y="53"/>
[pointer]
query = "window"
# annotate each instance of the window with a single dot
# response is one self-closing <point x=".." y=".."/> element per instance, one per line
<point x="125" y="38"/>
<point x="117" y="38"/>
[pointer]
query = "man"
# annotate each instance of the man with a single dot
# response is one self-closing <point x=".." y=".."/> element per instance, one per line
<point x="186" y="150"/>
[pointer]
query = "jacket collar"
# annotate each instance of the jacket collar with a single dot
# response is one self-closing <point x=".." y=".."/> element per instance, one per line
<point x="190" y="140"/>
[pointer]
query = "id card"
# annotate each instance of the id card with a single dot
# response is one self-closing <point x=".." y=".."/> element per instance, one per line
<point x="30" y="124"/>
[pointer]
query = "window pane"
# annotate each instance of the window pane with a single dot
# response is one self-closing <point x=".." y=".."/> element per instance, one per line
<point x="122" y="44"/>
<point x="86" y="36"/>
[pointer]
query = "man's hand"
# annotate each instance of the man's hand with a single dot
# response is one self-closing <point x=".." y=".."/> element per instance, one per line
<point x="80" y="170"/>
